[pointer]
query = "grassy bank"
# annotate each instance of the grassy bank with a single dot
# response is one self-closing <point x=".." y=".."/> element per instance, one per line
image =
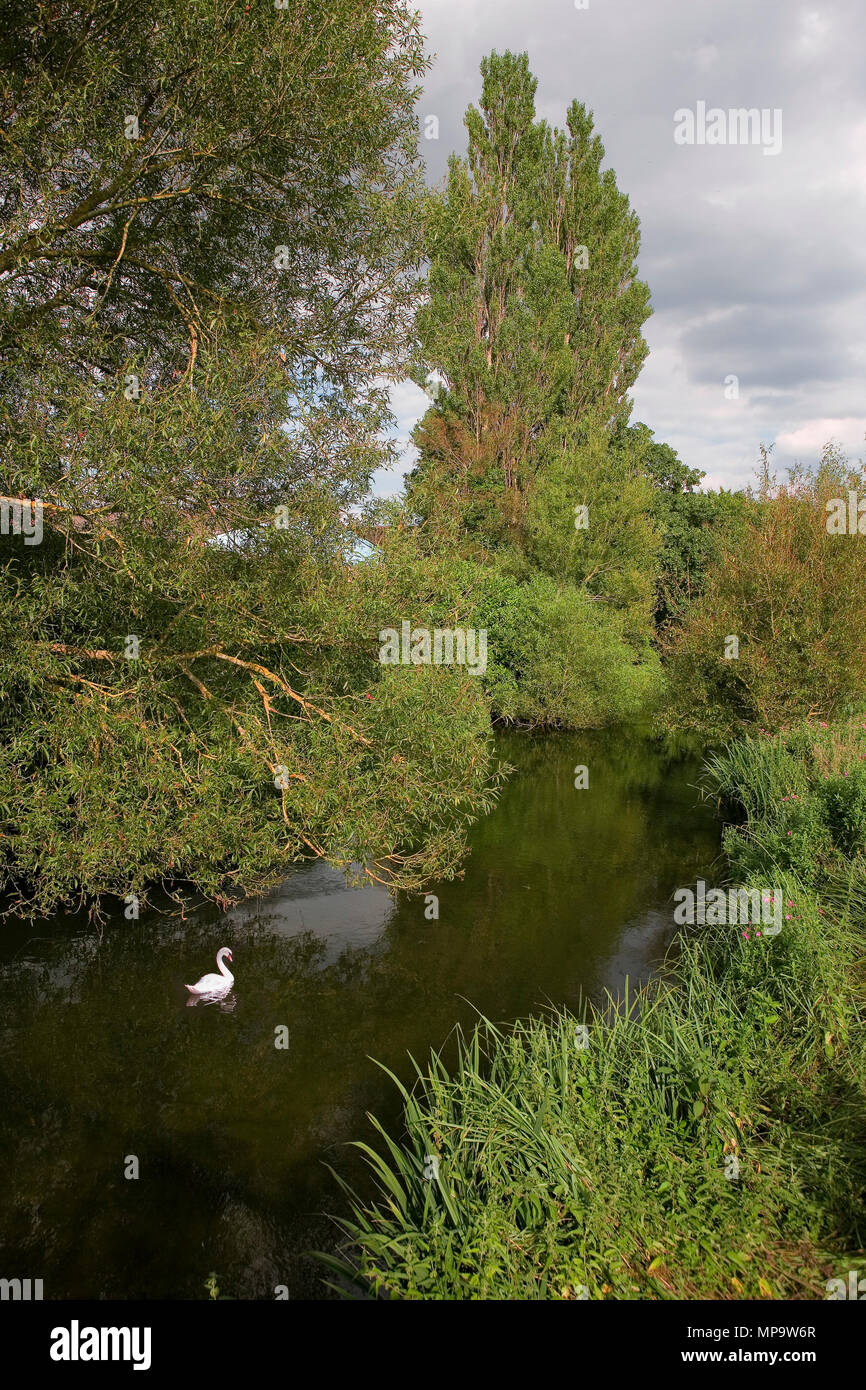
<point x="703" y="1141"/>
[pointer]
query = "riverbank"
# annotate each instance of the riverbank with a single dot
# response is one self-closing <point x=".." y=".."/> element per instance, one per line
<point x="702" y="1141"/>
<point x="563" y="895"/>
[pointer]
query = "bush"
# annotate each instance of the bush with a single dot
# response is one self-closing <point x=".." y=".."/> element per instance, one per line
<point x="706" y="1143"/>
<point x="557" y="656"/>
<point x="804" y="794"/>
<point x="793" y="596"/>
<point x="606" y="1171"/>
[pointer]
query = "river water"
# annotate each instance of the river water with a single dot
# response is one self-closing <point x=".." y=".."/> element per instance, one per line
<point x="566" y="893"/>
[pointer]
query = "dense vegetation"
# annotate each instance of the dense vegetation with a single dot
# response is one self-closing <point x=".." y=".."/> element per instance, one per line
<point x="216" y="253"/>
<point x="198" y="327"/>
<point x="702" y="1141"/>
<point x="532" y="330"/>
<point x="790" y="590"/>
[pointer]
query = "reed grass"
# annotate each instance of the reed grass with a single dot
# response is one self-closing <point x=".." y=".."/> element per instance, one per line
<point x="607" y="1171"/>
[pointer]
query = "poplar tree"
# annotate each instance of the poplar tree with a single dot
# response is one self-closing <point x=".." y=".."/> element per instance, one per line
<point x="535" y="310"/>
<point x="532" y="327"/>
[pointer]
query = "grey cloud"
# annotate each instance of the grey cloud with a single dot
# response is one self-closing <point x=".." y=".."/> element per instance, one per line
<point x="755" y="263"/>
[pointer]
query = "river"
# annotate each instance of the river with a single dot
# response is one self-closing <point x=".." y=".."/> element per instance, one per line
<point x="566" y="893"/>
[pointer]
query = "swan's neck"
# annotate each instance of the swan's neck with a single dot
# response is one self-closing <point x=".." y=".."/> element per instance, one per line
<point x="222" y="965"/>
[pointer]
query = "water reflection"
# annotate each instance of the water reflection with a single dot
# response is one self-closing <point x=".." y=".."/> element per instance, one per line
<point x="566" y="892"/>
<point x="227" y="1002"/>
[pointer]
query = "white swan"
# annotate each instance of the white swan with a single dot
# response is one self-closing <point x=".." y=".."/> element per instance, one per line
<point x="215" y="984"/>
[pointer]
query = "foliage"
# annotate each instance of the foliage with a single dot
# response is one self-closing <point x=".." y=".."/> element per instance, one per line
<point x="255" y="130"/>
<point x="613" y="557"/>
<point x="791" y="592"/>
<point x="558" y="656"/>
<point x="704" y="1143"/>
<point x="190" y="689"/>
<point x="254" y="654"/>
<point x="534" y="313"/>
<point x="692" y="524"/>
<point x="533" y="323"/>
<point x="804" y="795"/>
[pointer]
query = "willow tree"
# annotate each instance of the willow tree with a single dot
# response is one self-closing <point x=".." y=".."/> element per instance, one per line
<point x="533" y="323"/>
<point x="208" y="270"/>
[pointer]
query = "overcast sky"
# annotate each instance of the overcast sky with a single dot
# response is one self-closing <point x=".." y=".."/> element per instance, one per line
<point x="756" y="263"/>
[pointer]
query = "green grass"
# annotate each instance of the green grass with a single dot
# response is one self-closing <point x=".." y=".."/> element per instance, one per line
<point x="569" y="1172"/>
<point x="804" y="794"/>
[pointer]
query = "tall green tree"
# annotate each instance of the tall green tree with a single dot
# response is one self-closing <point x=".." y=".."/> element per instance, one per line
<point x="196" y="323"/>
<point x="692" y="524"/>
<point x="535" y="310"/>
<point x="176" y="174"/>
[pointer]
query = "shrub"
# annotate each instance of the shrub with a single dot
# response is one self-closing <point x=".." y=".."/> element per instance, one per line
<point x="557" y="656"/>
<point x="793" y="596"/>
<point x="706" y="1143"/>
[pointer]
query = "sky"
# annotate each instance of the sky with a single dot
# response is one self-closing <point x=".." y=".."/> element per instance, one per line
<point x="756" y="261"/>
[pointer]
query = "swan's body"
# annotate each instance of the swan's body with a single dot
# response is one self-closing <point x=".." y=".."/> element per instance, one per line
<point x="215" y="984"/>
